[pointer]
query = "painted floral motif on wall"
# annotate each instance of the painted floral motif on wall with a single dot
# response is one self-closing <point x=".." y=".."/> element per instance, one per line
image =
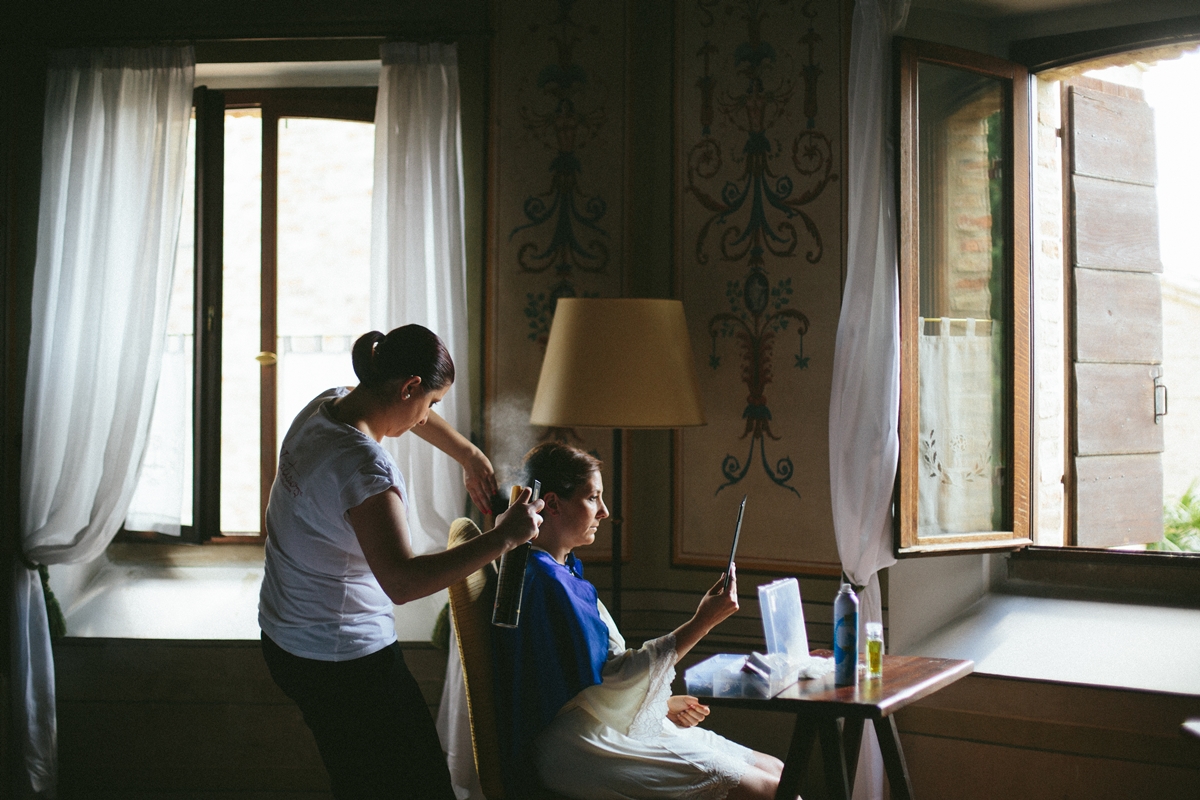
<point x="558" y="207"/>
<point x="758" y="126"/>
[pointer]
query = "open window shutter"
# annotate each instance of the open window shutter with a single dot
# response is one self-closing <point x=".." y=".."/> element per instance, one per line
<point x="1116" y="308"/>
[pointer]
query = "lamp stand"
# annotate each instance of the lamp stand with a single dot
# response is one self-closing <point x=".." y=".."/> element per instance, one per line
<point x="617" y="521"/>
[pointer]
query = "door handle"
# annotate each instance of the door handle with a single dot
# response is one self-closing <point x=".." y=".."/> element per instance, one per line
<point x="1160" y="399"/>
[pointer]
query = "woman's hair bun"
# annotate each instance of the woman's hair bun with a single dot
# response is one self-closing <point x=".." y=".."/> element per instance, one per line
<point x="405" y="352"/>
<point x="362" y="357"/>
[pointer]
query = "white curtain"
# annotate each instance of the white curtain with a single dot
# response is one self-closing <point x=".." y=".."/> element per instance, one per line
<point x="959" y="483"/>
<point x="418" y="264"/>
<point x="113" y="166"/>
<point x="418" y="274"/>
<point x="864" y="403"/>
<point x="454" y="728"/>
<point x="162" y="500"/>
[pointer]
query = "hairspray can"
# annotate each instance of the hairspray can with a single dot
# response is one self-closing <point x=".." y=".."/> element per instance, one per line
<point x="845" y="637"/>
<point x="510" y="584"/>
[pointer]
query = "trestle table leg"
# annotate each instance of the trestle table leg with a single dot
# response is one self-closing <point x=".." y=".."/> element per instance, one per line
<point x="852" y="730"/>
<point x="796" y="765"/>
<point x="835" y="759"/>
<point x="893" y="758"/>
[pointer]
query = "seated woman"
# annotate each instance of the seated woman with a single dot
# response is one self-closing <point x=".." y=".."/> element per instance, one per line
<point x="577" y="709"/>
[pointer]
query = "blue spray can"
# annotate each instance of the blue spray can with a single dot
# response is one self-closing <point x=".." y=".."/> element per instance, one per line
<point x="845" y="637"/>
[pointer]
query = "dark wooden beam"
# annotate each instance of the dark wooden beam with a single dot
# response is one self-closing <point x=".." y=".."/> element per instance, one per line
<point x="1046" y="52"/>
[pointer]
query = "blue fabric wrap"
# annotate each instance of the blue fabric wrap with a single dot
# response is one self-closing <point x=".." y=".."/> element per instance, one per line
<point x="556" y="651"/>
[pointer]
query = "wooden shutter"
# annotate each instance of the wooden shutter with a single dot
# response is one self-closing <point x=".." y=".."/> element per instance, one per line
<point x="1116" y="311"/>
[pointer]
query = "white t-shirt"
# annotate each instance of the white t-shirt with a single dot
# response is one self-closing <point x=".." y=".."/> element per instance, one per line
<point x="319" y="598"/>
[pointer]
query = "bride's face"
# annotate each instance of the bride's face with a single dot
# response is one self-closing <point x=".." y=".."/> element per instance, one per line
<point x="573" y="521"/>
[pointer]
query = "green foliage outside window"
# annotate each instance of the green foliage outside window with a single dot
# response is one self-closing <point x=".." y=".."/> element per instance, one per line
<point x="1181" y="524"/>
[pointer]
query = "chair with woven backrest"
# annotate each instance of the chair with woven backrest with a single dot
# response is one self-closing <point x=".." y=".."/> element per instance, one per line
<point x="471" y="607"/>
<point x="471" y="601"/>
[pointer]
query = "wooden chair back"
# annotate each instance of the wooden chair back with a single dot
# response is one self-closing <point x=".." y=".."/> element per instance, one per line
<point x="471" y="601"/>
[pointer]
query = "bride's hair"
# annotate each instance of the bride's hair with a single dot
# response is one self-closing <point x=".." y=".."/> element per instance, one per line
<point x="560" y="468"/>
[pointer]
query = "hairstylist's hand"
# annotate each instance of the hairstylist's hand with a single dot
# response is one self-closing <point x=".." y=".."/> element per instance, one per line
<point x="480" y="480"/>
<point x="520" y="522"/>
<point x="717" y="605"/>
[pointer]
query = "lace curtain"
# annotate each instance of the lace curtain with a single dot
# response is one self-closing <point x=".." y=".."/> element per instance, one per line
<point x="113" y="169"/>
<point x="163" y="497"/>
<point x="418" y="274"/>
<point x="961" y="462"/>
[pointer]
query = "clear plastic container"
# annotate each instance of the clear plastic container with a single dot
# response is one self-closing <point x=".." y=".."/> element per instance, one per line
<point x="759" y="674"/>
<point x="783" y="617"/>
<point x="699" y="678"/>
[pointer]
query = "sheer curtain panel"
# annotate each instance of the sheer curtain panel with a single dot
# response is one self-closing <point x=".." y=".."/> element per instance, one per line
<point x="864" y="443"/>
<point x="418" y="263"/>
<point x="113" y="167"/>
<point x="418" y="274"/>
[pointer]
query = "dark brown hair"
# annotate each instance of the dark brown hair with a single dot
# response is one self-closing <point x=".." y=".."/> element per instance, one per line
<point x="405" y="352"/>
<point x="561" y="468"/>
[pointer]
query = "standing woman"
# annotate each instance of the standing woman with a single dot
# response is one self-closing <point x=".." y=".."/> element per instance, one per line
<point x="339" y="555"/>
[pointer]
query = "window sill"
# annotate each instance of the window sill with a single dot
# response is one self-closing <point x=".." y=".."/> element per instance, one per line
<point x="1070" y="639"/>
<point x="155" y="591"/>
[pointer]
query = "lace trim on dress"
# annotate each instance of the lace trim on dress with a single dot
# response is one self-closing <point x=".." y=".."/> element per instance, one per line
<point x="726" y="773"/>
<point x="726" y="769"/>
<point x="648" y="721"/>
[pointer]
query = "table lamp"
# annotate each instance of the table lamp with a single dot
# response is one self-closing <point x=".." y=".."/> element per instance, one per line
<point x="617" y="363"/>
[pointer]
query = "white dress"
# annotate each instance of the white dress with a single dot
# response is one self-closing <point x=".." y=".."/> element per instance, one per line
<point x="613" y="740"/>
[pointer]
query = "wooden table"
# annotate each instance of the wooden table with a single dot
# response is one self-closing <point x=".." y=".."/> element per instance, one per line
<point x="836" y="715"/>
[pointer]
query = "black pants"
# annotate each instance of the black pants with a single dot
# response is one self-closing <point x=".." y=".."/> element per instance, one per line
<point x="372" y="726"/>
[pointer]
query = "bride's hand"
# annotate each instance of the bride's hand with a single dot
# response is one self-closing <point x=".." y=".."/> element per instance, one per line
<point x="717" y="604"/>
<point x="686" y="711"/>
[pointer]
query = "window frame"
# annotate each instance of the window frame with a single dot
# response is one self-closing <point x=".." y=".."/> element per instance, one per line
<point x="1018" y="498"/>
<point x="343" y="103"/>
<point x="1138" y="573"/>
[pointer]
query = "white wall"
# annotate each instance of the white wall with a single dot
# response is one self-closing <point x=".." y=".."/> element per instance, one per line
<point x="926" y="593"/>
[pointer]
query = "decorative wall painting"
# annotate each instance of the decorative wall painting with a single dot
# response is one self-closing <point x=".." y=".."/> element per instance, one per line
<point x="557" y="206"/>
<point x="759" y="240"/>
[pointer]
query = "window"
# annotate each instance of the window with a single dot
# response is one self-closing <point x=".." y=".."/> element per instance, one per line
<point x="1066" y="438"/>
<point x="269" y="294"/>
<point x="964" y="298"/>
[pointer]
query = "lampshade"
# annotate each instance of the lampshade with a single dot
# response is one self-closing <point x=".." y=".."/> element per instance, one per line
<point x="618" y="363"/>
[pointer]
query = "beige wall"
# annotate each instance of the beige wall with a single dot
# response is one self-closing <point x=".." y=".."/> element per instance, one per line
<point x="657" y="596"/>
<point x="1181" y="372"/>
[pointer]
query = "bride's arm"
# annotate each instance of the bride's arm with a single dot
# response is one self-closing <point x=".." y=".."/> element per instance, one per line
<point x="714" y="608"/>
